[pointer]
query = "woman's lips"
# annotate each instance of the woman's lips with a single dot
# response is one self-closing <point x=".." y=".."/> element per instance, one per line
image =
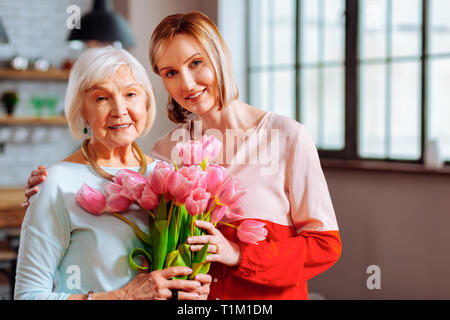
<point x="196" y="96"/>
<point x="120" y="126"/>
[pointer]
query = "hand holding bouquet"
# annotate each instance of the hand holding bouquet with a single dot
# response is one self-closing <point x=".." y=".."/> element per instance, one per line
<point x="174" y="198"/>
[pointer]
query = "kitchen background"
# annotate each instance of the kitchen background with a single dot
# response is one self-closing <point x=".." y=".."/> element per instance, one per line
<point x="391" y="215"/>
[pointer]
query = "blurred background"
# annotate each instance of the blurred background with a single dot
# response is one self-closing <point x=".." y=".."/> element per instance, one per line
<point x="370" y="79"/>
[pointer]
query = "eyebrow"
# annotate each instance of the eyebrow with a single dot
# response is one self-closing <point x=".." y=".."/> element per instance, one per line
<point x="99" y="87"/>
<point x="195" y="54"/>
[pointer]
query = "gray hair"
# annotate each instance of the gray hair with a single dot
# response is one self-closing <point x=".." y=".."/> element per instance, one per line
<point x="91" y="67"/>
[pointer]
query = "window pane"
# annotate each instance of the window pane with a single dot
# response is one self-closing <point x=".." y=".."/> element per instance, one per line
<point x="334" y="33"/>
<point x="259" y="32"/>
<point x="259" y="92"/>
<point x="309" y="31"/>
<point x="284" y="32"/>
<point x="373" y="28"/>
<point x="372" y="116"/>
<point x="284" y="93"/>
<point x="309" y="102"/>
<point x="439" y="26"/>
<point x="438" y="104"/>
<point x="333" y="125"/>
<point x="406" y="27"/>
<point x="405" y="111"/>
<point x="322" y="106"/>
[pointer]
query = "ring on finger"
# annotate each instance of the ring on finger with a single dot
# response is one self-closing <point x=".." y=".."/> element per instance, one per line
<point x="217" y="248"/>
<point x="174" y="294"/>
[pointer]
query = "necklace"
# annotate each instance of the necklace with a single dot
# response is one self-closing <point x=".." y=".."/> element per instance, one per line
<point x="103" y="173"/>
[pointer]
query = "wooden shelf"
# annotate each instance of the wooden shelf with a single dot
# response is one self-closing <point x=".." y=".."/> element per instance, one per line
<point x="11" y="211"/>
<point x="51" y="74"/>
<point x="22" y="121"/>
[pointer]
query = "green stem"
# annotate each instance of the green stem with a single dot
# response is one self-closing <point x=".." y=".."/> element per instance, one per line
<point x="170" y="212"/>
<point x="192" y="225"/>
<point x="209" y="212"/>
<point x="178" y="220"/>
<point x="133" y="225"/>
<point x="227" y="224"/>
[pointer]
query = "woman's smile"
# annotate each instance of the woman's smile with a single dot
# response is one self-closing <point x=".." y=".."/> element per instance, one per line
<point x="196" y="96"/>
<point x="120" y="127"/>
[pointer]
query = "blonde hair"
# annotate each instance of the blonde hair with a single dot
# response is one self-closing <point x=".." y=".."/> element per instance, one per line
<point x="206" y="33"/>
<point x="92" y="67"/>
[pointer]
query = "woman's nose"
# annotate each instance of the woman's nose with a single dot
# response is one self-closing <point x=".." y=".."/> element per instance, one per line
<point x="187" y="81"/>
<point x="118" y="107"/>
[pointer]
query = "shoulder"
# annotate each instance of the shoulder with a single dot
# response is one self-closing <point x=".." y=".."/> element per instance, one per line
<point x="296" y="134"/>
<point x="286" y="126"/>
<point x="76" y="157"/>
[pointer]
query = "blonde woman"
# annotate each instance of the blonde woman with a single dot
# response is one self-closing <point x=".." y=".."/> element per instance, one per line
<point x="273" y="156"/>
<point x="67" y="253"/>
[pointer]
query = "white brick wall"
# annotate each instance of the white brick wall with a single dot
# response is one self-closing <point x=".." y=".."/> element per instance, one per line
<point x="36" y="28"/>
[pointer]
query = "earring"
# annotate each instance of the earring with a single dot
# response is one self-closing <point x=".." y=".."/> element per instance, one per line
<point x="85" y="131"/>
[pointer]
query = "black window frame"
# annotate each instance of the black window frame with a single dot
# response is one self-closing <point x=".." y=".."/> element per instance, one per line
<point x="351" y="83"/>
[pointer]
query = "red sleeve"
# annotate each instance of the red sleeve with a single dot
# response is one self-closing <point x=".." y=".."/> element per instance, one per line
<point x="293" y="254"/>
<point x="288" y="259"/>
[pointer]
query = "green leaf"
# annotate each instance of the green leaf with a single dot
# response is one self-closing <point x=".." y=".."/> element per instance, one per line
<point x="161" y="214"/>
<point x="143" y="236"/>
<point x="174" y="259"/>
<point x="185" y="224"/>
<point x="159" y="235"/>
<point x="200" y="256"/>
<point x="199" y="268"/>
<point x="185" y="253"/>
<point x="139" y="252"/>
<point x="174" y="230"/>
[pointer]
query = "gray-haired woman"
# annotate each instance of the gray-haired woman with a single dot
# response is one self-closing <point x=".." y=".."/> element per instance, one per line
<point x="66" y="253"/>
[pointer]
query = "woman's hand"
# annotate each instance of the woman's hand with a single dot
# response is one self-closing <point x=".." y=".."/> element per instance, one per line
<point x="224" y="250"/>
<point x="37" y="177"/>
<point x="156" y="285"/>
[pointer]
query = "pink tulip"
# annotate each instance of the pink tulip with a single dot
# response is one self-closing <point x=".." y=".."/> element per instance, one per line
<point x="231" y="192"/>
<point x="123" y="173"/>
<point x="218" y="213"/>
<point x="197" y="201"/>
<point x="112" y="188"/>
<point x="117" y="203"/>
<point x="215" y="177"/>
<point x="191" y="152"/>
<point x="91" y="199"/>
<point x="132" y="182"/>
<point x="183" y="181"/>
<point x="235" y="213"/>
<point x="211" y="147"/>
<point x="149" y="200"/>
<point x="251" y="231"/>
<point x="158" y="179"/>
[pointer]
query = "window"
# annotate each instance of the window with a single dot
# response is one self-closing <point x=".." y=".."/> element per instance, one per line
<point x="368" y="78"/>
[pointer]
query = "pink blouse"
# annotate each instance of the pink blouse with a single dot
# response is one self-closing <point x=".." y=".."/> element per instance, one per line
<point x="279" y="165"/>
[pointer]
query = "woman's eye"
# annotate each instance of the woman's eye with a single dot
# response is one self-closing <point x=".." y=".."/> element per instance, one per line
<point x="100" y="99"/>
<point x="196" y="63"/>
<point x="131" y="94"/>
<point x="171" y="73"/>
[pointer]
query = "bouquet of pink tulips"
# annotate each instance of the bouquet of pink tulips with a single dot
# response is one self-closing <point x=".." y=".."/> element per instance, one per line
<point x="174" y="198"/>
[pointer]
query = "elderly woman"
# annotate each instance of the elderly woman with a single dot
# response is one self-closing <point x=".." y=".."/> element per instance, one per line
<point x="67" y="253"/>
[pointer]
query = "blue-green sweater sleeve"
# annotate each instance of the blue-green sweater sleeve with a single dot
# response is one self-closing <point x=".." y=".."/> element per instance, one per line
<point x="45" y="236"/>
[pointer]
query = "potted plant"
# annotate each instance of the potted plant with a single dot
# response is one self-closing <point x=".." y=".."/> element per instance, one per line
<point x="9" y="100"/>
